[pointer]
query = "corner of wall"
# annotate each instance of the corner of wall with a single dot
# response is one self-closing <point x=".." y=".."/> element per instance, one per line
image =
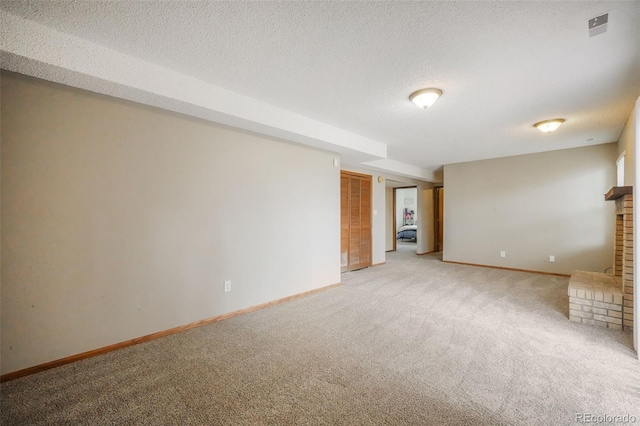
<point x="631" y="141"/>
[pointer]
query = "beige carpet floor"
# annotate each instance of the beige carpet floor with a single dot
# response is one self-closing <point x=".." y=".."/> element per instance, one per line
<point x="412" y="342"/>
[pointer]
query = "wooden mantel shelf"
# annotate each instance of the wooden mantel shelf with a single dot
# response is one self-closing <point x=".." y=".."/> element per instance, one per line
<point x="617" y="192"/>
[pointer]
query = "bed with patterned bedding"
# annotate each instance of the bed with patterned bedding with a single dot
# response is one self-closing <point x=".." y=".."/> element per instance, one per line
<point x="407" y="232"/>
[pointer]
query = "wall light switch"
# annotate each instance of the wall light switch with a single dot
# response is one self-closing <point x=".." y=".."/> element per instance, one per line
<point x="335" y="162"/>
<point x="503" y="253"/>
<point x="375" y="212"/>
<point x="227" y="286"/>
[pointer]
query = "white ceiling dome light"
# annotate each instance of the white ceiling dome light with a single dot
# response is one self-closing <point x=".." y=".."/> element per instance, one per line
<point x="424" y="98"/>
<point x="547" y="126"/>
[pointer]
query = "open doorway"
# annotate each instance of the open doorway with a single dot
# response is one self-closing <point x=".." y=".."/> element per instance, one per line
<point x="421" y="210"/>
<point x="438" y="214"/>
<point x="405" y="218"/>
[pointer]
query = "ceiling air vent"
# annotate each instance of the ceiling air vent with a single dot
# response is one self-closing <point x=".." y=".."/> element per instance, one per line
<point x="598" y="25"/>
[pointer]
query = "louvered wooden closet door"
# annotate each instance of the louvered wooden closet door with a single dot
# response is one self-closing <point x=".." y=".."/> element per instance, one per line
<point x="355" y="206"/>
<point x="344" y="223"/>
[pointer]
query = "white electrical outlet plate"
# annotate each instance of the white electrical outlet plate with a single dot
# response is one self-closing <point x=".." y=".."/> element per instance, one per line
<point x="503" y="253"/>
<point x="552" y="258"/>
<point x="227" y="286"/>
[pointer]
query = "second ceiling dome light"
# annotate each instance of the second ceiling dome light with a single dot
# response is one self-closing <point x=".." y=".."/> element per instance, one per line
<point x="424" y="98"/>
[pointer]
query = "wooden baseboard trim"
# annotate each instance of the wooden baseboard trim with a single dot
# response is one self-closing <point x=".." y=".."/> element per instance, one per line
<point x="378" y="264"/>
<point x="508" y="269"/>
<point x="67" y="360"/>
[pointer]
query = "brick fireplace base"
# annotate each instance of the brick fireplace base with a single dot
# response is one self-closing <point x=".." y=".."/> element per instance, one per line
<point x="596" y="299"/>
<point x="607" y="300"/>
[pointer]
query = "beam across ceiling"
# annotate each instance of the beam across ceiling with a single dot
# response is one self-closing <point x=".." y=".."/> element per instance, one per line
<point x="34" y="49"/>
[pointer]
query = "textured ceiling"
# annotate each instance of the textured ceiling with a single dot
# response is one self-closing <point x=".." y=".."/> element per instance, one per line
<point x="501" y="65"/>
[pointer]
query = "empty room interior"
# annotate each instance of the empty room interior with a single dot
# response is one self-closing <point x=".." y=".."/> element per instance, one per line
<point x="319" y="212"/>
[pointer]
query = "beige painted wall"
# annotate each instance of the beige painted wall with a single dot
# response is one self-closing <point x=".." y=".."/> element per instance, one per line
<point x="120" y="220"/>
<point x="629" y="138"/>
<point x="532" y="206"/>
<point x="626" y="143"/>
<point x="426" y="231"/>
<point x="388" y="219"/>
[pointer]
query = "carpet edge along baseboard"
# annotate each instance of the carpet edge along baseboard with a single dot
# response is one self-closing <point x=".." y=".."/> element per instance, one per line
<point x="95" y="352"/>
<point x="555" y="274"/>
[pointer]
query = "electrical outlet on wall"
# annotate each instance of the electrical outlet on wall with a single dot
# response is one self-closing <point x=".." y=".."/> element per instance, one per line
<point x="227" y="286"/>
<point x="552" y="258"/>
<point x="503" y="253"/>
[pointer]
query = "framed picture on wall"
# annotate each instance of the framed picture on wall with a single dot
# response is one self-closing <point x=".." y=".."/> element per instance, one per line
<point x="409" y="216"/>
